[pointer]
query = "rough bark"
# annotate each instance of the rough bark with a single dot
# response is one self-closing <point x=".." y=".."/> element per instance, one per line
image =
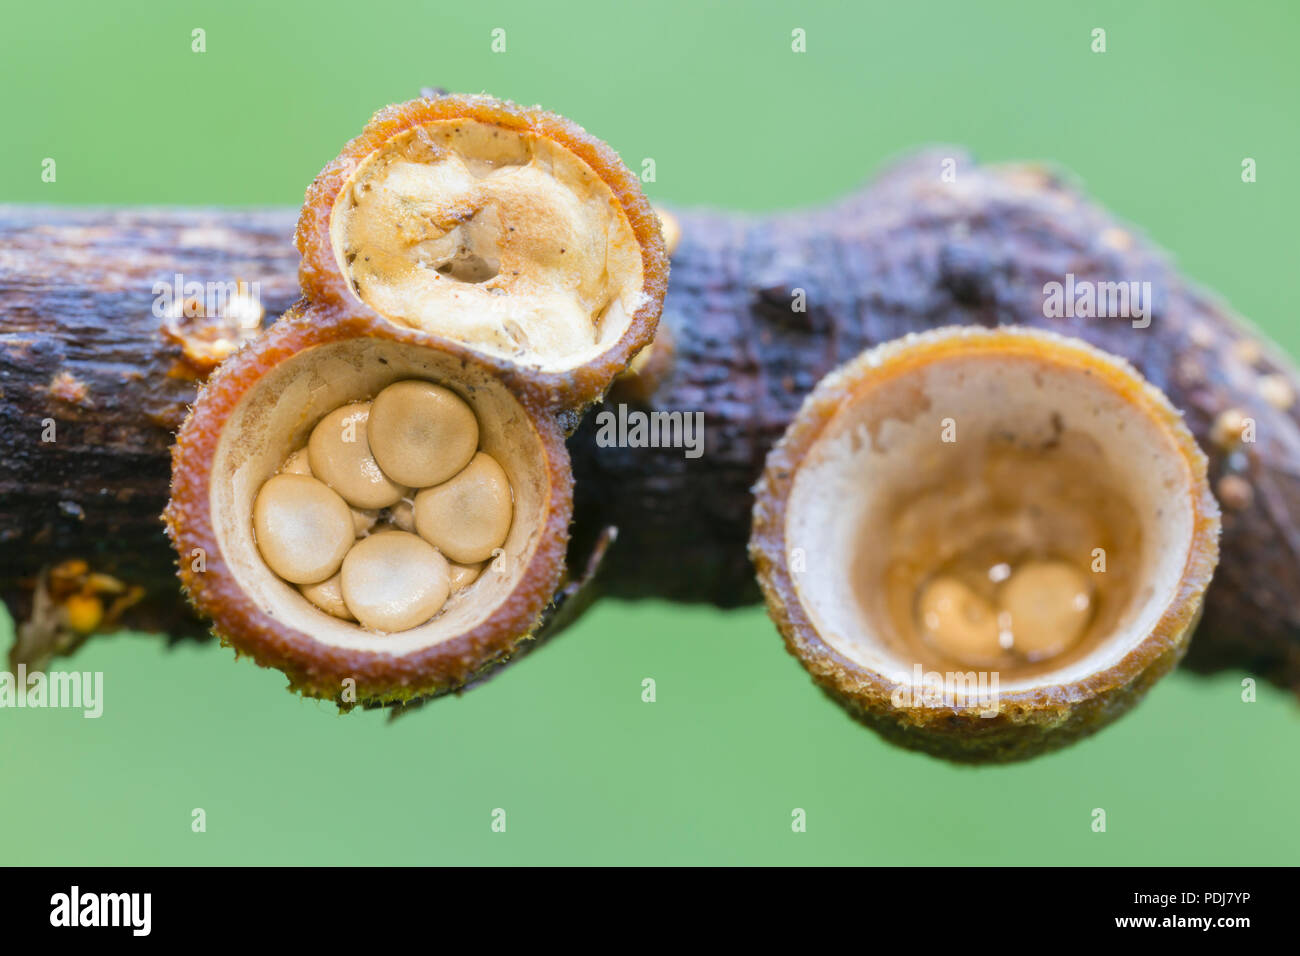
<point x="80" y="344"/>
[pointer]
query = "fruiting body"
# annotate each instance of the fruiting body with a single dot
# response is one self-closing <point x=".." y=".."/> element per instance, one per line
<point x="393" y="581"/>
<point x="299" y="463"/>
<point x="897" y="256"/>
<point x="963" y="450"/>
<point x="1048" y="605"/>
<point x="363" y="519"/>
<point x="468" y="517"/>
<point x="328" y="596"/>
<point x="499" y="231"/>
<point x="340" y="456"/>
<point x="303" y="528"/>
<point x="959" y="622"/>
<point x="474" y="273"/>
<point x="447" y="225"/>
<point x="428" y="433"/>
<point x="463" y="575"/>
<point x="421" y="434"/>
<point x="267" y="398"/>
<point x="402" y="515"/>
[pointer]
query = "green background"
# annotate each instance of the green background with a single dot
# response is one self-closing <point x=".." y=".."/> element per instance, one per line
<point x="710" y="773"/>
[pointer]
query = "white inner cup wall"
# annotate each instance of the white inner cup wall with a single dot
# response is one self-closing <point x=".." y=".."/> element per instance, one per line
<point x="851" y="479"/>
<point x="474" y="166"/>
<point x="277" y="416"/>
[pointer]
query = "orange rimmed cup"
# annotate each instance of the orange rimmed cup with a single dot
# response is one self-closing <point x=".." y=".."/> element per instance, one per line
<point x="497" y="230"/>
<point x="985" y="543"/>
<point x="262" y="404"/>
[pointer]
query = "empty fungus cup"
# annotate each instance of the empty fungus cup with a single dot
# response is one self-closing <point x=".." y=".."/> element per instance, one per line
<point x="506" y="231"/>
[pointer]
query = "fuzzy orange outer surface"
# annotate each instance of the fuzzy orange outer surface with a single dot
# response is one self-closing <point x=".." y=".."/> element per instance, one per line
<point x="322" y="281"/>
<point x="1032" y="721"/>
<point x="315" y="669"/>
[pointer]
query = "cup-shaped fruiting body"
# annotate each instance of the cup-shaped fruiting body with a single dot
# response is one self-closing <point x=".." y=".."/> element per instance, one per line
<point x="497" y="230"/>
<point x="985" y="543"/>
<point x="396" y="617"/>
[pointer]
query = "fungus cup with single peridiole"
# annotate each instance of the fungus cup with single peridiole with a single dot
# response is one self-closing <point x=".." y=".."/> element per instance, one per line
<point x="374" y="496"/>
<point x="985" y="544"/>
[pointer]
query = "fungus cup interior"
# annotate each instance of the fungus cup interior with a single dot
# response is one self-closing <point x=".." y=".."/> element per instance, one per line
<point x="1051" y="460"/>
<point x="501" y="239"/>
<point x="277" y="416"/>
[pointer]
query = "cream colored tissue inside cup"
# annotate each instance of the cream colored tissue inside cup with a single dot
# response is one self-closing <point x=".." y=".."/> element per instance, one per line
<point x="278" y="414"/>
<point x="885" y="450"/>
<point x="505" y="241"/>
